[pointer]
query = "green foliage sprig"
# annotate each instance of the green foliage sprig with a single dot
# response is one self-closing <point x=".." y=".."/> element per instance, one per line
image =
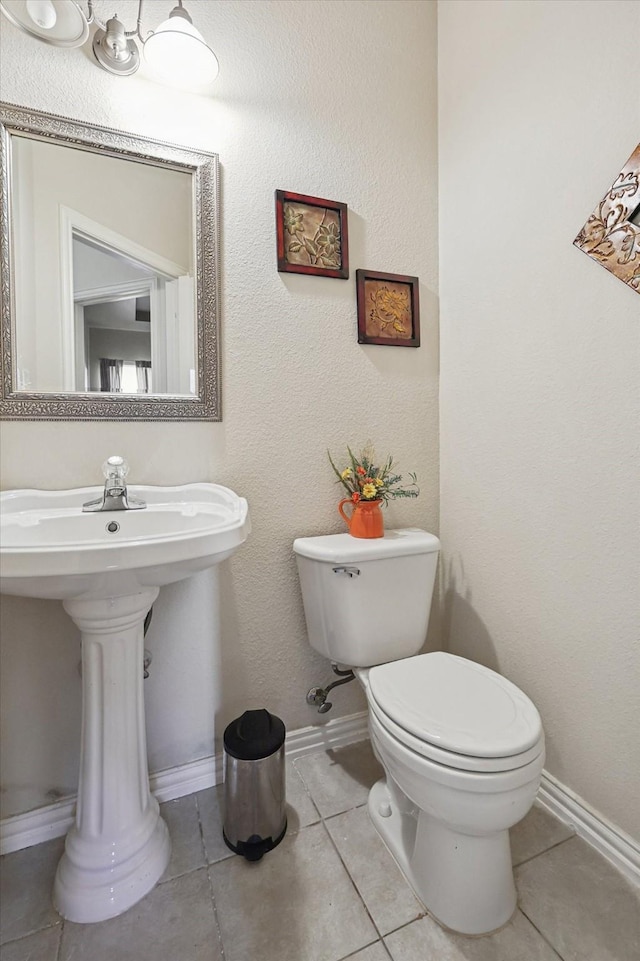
<point x="364" y="480"/>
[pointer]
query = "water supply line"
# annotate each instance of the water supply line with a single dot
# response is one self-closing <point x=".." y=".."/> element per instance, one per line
<point x="146" y="663"/>
<point x="317" y="696"/>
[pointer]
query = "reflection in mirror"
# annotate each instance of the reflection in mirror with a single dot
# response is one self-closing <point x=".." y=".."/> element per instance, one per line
<point x="112" y="336"/>
<point x="113" y="302"/>
<point x="133" y="313"/>
<point x="108" y="231"/>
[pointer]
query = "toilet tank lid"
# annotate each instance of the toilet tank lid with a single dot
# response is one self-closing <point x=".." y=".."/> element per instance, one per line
<point x="344" y="549"/>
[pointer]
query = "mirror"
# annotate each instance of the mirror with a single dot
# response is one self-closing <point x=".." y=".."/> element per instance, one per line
<point x="109" y="247"/>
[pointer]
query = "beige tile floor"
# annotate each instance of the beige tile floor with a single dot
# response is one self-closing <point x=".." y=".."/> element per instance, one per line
<point x="329" y="892"/>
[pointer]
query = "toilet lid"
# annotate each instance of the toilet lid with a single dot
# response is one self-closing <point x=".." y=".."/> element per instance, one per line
<point x="456" y="705"/>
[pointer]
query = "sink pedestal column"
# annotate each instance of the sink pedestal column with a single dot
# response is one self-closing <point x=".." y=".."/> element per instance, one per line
<point x="119" y="846"/>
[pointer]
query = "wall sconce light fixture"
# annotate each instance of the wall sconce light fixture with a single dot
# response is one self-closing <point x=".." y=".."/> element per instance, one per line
<point x="175" y="51"/>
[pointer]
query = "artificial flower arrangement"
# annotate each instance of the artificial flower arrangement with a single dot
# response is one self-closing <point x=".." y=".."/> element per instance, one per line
<point x="365" y="481"/>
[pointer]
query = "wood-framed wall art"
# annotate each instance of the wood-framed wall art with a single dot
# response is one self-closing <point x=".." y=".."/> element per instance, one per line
<point x="611" y="235"/>
<point x="312" y="235"/>
<point x="388" y="309"/>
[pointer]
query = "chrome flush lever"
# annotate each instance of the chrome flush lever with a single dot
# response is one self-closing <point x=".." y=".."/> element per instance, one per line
<point x="349" y="571"/>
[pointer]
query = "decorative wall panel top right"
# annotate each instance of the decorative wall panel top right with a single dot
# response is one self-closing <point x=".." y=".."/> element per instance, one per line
<point x="611" y="235"/>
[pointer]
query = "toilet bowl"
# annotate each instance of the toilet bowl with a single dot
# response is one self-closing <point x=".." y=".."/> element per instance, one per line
<point x="461" y="746"/>
<point x="445" y="815"/>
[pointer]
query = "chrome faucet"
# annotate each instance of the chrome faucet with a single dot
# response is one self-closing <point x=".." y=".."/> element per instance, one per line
<point x="115" y="496"/>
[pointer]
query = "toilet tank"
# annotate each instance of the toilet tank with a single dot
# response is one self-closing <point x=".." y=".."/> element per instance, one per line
<point x="367" y="601"/>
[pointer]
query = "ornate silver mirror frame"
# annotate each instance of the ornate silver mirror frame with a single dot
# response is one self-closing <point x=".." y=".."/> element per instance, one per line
<point x="203" y="168"/>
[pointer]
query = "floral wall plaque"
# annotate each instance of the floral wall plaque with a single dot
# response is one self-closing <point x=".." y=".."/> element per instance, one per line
<point x="312" y="235"/>
<point x="388" y="309"/>
<point x="611" y="235"/>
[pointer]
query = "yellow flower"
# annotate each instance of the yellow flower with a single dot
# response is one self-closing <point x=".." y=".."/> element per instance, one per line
<point x="369" y="491"/>
<point x="346" y="473"/>
<point x="329" y="239"/>
<point x="293" y="220"/>
<point x="378" y="482"/>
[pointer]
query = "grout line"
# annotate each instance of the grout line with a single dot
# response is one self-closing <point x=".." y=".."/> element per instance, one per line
<point x="215" y="912"/>
<point x="59" y="950"/>
<point x="225" y="857"/>
<point x="305" y="786"/>
<point x="197" y="867"/>
<point x="305" y="789"/>
<point x="541" y="933"/>
<point x="386" y="949"/>
<point x="542" y="853"/>
<point x="200" y="829"/>
<point x="208" y="867"/>
<point x="453" y="933"/>
<point x="337" y="814"/>
<point x="354" y="954"/>
<point x="174" y="877"/>
<point x="29" y="934"/>
<point x="406" y="924"/>
<point x="353" y="883"/>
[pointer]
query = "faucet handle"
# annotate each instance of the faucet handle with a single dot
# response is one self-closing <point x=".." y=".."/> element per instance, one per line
<point x="115" y="496"/>
<point x="115" y="468"/>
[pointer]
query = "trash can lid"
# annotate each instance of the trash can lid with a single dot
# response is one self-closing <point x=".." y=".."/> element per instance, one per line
<point x="254" y="735"/>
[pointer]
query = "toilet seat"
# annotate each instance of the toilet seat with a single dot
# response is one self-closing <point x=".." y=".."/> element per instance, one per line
<point x="459" y="762"/>
<point x="456" y="712"/>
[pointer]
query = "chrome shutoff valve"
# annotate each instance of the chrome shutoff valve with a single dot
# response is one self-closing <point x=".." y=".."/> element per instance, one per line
<point x="317" y="696"/>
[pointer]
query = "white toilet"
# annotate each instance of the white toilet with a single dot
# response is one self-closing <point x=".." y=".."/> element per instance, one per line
<point x="461" y="746"/>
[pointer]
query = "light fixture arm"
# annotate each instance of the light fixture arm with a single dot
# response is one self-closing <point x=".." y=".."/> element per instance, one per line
<point x="138" y="31"/>
<point x="92" y="16"/>
<point x="127" y="33"/>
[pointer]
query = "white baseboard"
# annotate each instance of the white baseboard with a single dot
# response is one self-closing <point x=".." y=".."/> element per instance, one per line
<point x="619" y="848"/>
<point x="198" y="775"/>
<point x="45" y="823"/>
<point x="54" y="820"/>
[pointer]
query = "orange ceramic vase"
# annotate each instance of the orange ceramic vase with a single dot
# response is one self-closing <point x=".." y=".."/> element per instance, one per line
<point x="366" y="518"/>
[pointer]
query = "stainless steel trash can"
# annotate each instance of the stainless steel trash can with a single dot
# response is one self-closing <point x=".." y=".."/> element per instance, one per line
<point x="255" y="817"/>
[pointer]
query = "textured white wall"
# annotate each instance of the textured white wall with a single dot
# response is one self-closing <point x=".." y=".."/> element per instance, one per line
<point x="539" y="109"/>
<point x="334" y="99"/>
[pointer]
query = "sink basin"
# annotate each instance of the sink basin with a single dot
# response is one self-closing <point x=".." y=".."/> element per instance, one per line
<point x="107" y="568"/>
<point x="51" y="549"/>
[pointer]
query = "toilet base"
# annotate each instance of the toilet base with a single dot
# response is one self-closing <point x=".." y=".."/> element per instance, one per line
<point x="465" y="882"/>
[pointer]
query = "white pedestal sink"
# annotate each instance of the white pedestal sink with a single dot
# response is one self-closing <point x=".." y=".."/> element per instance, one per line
<point x="107" y="568"/>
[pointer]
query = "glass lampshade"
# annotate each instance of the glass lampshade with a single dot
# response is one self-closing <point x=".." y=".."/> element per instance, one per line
<point x="177" y="53"/>
<point x="43" y="13"/>
<point x="59" y="22"/>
